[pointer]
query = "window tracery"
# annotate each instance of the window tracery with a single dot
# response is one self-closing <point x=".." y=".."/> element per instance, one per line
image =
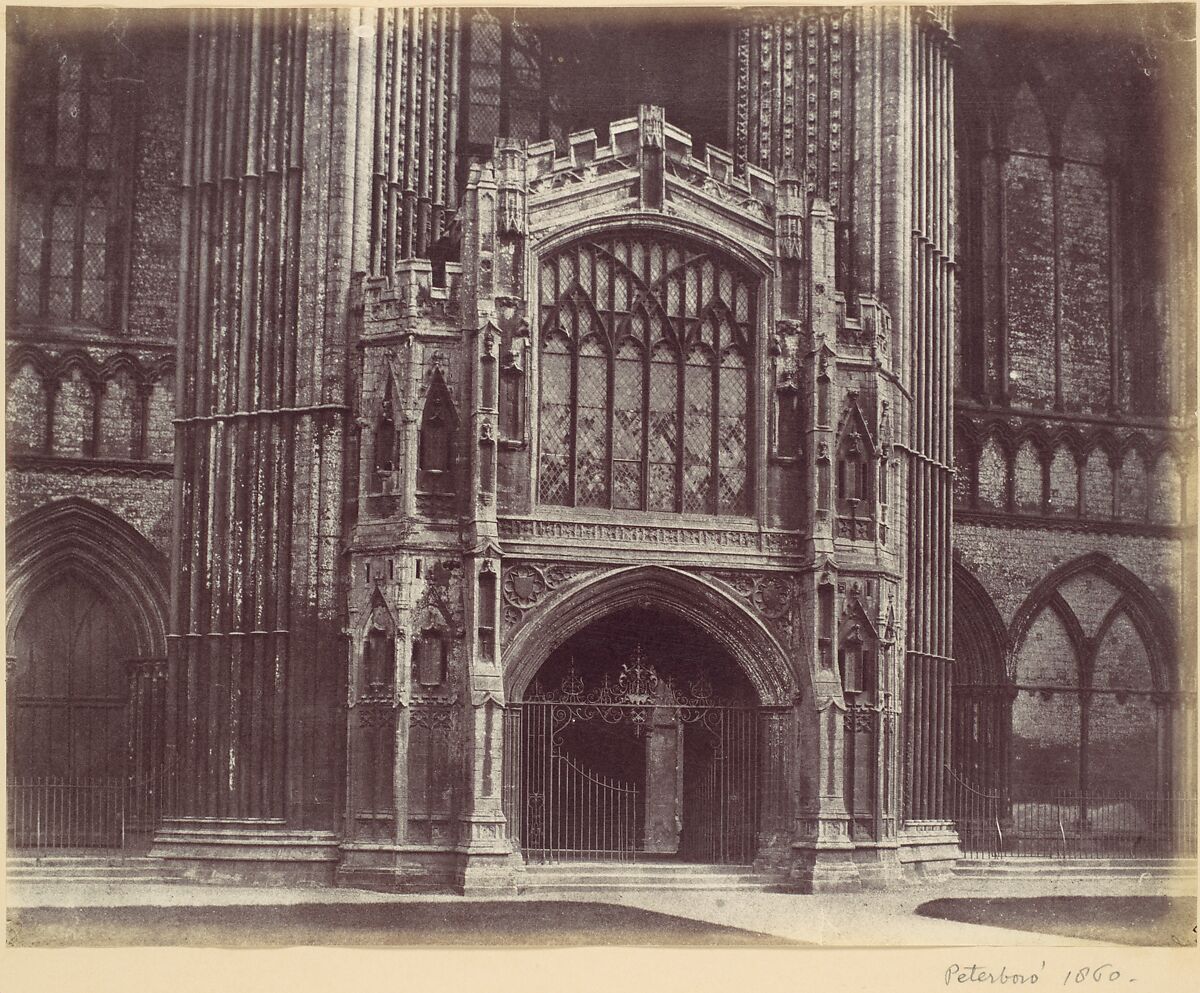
<point x="61" y="259"/>
<point x="645" y="395"/>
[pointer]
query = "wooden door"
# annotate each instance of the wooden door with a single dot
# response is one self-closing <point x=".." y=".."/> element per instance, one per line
<point x="69" y="687"/>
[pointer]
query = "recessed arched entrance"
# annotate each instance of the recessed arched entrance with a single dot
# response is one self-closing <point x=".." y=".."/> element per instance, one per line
<point x="640" y="736"/>
<point x="86" y="638"/>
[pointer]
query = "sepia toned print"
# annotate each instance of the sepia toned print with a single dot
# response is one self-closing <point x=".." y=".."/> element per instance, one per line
<point x="571" y="458"/>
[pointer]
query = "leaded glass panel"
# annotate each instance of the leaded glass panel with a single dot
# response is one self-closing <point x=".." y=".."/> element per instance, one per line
<point x="639" y="426"/>
<point x="591" y="431"/>
<point x="556" y="422"/>
<point x="732" y="438"/>
<point x="692" y="292"/>
<point x="70" y="84"/>
<point x="638" y="325"/>
<point x="673" y="296"/>
<point x="566" y="273"/>
<point x="62" y="257"/>
<point x="585" y="270"/>
<point x="663" y="429"/>
<point x="697" y="433"/>
<point x="30" y="258"/>
<point x="603" y="282"/>
<point x="92" y="288"/>
<point x="98" y="121"/>
<point x="627" y="428"/>
<point x="621" y="291"/>
<point x="741" y="310"/>
<point x="585" y="325"/>
<point x="706" y="284"/>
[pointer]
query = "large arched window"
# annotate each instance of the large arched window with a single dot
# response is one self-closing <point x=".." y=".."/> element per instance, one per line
<point x="60" y="262"/>
<point x="645" y="356"/>
<point x="1088" y="714"/>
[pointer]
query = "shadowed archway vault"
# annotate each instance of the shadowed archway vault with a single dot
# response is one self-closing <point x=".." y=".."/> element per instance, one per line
<point x="711" y="610"/>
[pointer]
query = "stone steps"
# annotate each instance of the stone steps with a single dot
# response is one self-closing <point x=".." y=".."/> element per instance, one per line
<point x="1075" y="869"/>
<point x="88" y="869"/>
<point x="620" y="877"/>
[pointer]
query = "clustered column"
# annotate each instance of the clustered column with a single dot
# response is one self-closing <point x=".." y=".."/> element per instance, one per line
<point x="932" y="320"/>
<point x="256" y="652"/>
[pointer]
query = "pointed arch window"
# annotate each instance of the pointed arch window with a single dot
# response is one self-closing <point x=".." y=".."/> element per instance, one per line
<point x="379" y="652"/>
<point x="787" y="423"/>
<point x="856" y="658"/>
<point x="854" y="482"/>
<point x="63" y="256"/>
<point x="435" y="443"/>
<point x="644" y="376"/>
<point x="429" y="657"/>
<point x="384" y="442"/>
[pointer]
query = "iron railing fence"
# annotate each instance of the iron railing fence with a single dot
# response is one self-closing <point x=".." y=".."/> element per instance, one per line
<point x="1056" y="822"/>
<point x="66" y="812"/>
<point x="48" y="812"/>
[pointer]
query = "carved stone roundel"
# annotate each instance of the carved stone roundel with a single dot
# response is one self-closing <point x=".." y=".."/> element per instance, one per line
<point x="523" y="586"/>
<point x="772" y="597"/>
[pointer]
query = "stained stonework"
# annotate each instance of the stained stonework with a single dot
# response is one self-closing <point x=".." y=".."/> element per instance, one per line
<point x="846" y="345"/>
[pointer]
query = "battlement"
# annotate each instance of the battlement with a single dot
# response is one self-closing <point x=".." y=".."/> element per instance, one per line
<point x="409" y="293"/>
<point x="648" y="129"/>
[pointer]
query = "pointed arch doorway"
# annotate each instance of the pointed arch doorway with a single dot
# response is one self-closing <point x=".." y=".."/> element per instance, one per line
<point x="86" y="680"/>
<point x="638" y="738"/>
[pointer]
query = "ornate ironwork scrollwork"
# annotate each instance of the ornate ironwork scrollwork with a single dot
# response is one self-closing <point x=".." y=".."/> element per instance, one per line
<point x="638" y="691"/>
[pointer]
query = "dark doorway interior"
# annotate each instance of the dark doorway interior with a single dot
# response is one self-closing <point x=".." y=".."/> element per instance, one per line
<point x="639" y="740"/>
<point x="67" y="732"/>
<point x="69" y="685"/>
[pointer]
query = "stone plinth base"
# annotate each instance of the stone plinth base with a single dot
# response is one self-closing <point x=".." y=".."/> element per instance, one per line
<point x="487" y="863"/>
<point x="247" y="852"/>
<point x="928" y="849"/>
<point x="879" y="866"/>
<point x="398" y="868"/>
<point x="823" y="870"/>
<point x="489" y="874"/>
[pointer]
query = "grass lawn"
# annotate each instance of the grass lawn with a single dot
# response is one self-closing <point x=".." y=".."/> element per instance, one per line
<point x="506" y="923"/>
<point x="1121" y="920"/>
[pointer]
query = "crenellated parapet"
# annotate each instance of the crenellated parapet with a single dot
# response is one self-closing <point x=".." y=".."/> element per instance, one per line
<point x="648" y="164"/>
<point x="586" y="158"/>
<point x="413" y="298"/>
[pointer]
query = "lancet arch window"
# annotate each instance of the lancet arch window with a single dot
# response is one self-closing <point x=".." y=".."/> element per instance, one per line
<point x="61" y="256"/>
<point x="384" y="441"/>
<point x="646" y="352"/>
<point x="379" y="651"/>
<point x="435" y="441"/>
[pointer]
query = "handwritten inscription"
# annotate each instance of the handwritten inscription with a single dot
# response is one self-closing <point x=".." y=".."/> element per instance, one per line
<point x="1099" y="975"/>
<point x="974" y="973"/>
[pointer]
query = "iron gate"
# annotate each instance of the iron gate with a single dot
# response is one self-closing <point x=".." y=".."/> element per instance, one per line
<point x="1057" y="822"/>
<point x="689" y="787"/>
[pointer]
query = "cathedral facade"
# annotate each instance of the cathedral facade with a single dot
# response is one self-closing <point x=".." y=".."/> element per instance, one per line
<point x="452" y="441"/>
